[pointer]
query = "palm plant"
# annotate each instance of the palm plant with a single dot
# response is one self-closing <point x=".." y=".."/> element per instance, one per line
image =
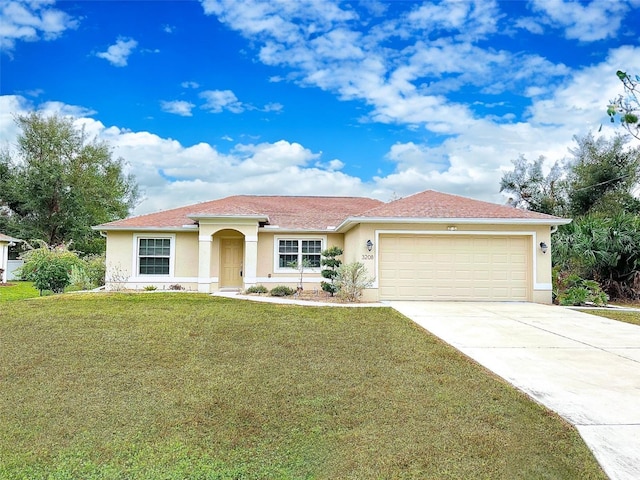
<point x="606" y="249"/>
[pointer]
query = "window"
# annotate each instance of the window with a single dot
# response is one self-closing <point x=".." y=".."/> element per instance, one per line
<point x="297" y="251"/>
<point x="154" y="255"/>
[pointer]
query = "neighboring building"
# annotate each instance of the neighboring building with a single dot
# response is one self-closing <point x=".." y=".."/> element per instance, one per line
<point x="428" y="246"/>
<point x="7" y="267"/>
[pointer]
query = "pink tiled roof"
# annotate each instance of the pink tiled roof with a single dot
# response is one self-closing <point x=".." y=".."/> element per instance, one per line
<point x="432" y="204"/>
<point x="304" y="213"/>
<point x="318" y="213"/>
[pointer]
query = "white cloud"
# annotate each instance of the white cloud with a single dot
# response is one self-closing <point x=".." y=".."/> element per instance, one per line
<point x="190" y="84"/>
<point x="471" y="19"/>
<point x="273" y="107"/>
<point x="596" y="20"/>
<point x="31" y="21"/>
<point x="118" y="53"/>
<point x="220" y="100"/>
<point x="178" y="107"/>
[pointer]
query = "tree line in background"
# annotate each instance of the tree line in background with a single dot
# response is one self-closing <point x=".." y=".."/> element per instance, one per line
<point x="597" y="186"/>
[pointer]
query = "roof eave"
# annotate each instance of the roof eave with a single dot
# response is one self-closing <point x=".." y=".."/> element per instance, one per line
<point x="350" y="222"/>
<point x="213" y="216"/>
<point x="131" y="228"/>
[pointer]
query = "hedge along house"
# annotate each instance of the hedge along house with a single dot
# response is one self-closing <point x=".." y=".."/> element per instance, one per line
<point x="428" y="246"/>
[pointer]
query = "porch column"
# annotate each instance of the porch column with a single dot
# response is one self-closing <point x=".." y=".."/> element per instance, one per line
<point x="250" y="260"/>
<point x="204" y="263"/>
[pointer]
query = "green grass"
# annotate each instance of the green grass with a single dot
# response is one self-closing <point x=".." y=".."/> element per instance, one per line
<point x="628" y="317"/>
<point x="17" y="291"/>
<point x="177" y="386"/>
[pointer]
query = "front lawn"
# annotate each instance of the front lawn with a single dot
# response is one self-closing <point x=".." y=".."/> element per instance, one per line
<point x="17" y="291"/>
<point x="622" y="316"/>
<point x="177" y="386"/>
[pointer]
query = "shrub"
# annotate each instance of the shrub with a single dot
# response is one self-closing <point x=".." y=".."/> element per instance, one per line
<point x="176" y="286"/>
<point x="351" y="280"/>
<point x="79" y="279"/>
<point x="257" y="289"/>
<point x="49" y="268"/>
<point x="117" y="278"/>
<point x="330" y="261"/>
<point x="150" y="288"/>
<point x="574" y="290"/>
<point x="95" y="269"/>
<point x="281" y="291"/>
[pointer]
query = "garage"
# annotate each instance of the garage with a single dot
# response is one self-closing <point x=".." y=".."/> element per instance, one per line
<point x="454" y="267"/>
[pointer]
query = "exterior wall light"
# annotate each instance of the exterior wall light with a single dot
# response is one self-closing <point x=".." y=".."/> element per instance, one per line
<point x="369" y="245"/>
<point x="543" y="247"/>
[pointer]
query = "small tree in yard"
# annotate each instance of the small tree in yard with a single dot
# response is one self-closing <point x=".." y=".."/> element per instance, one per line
<point x="300" y="267"/>
<point x="351" y="280"/>
<point x="330" y="261"/>
<point x="50" y="268"/>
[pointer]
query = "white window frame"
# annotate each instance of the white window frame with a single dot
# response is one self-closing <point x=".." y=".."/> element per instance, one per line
<point x="300" y="238"/>
<point x="136" y="256"/>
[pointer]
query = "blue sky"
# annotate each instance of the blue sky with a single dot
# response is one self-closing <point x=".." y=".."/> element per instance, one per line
<point x="205" y="99"/>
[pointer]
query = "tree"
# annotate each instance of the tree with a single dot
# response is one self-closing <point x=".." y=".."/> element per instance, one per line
<point x="602" y="176"/>
<point x="604" y="248"/>
<point x="627" y="107"/>
<point x="532" y="190"/>
<point x="58" y="183"/>
<point x="332" y="263"/>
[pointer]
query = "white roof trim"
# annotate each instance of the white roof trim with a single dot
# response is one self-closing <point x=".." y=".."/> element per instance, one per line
<point x="213" y="216"/>
<point x="464" y="221"/>
<point x="118" y="228"/>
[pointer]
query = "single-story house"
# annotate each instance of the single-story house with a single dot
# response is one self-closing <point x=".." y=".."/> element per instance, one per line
<point x="5" y="242"/>
<point x="428" y="246"/>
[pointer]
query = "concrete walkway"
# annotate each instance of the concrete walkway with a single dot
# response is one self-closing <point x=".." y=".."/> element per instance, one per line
<point x="585" y="368"/>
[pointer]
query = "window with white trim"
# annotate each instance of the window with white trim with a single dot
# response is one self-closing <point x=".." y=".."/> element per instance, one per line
<point x="154" y="256"/>
<point x="297" y="251"/>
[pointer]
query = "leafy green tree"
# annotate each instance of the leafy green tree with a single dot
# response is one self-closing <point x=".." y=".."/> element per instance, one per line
<point x="58" y="183"/>
<point x="532" y="190"/>
<point x="332" y="263"/>
<point x="626" y="107"/>
<point x="602" y="248"/>
<point x="603" y="176"/>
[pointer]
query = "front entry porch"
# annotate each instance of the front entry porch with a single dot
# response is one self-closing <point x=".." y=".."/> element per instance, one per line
<point x="227" y="256"/>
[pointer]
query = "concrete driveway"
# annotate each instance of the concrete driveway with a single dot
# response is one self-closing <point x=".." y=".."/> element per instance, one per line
<point x="585" y="368"/>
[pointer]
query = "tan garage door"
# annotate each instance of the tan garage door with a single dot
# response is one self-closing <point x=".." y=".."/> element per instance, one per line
<point x="454" y="267"/>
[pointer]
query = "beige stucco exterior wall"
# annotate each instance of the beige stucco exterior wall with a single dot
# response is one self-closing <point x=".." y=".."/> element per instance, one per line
<point x="119" y="255"/>
<point x="186" y="255"/>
